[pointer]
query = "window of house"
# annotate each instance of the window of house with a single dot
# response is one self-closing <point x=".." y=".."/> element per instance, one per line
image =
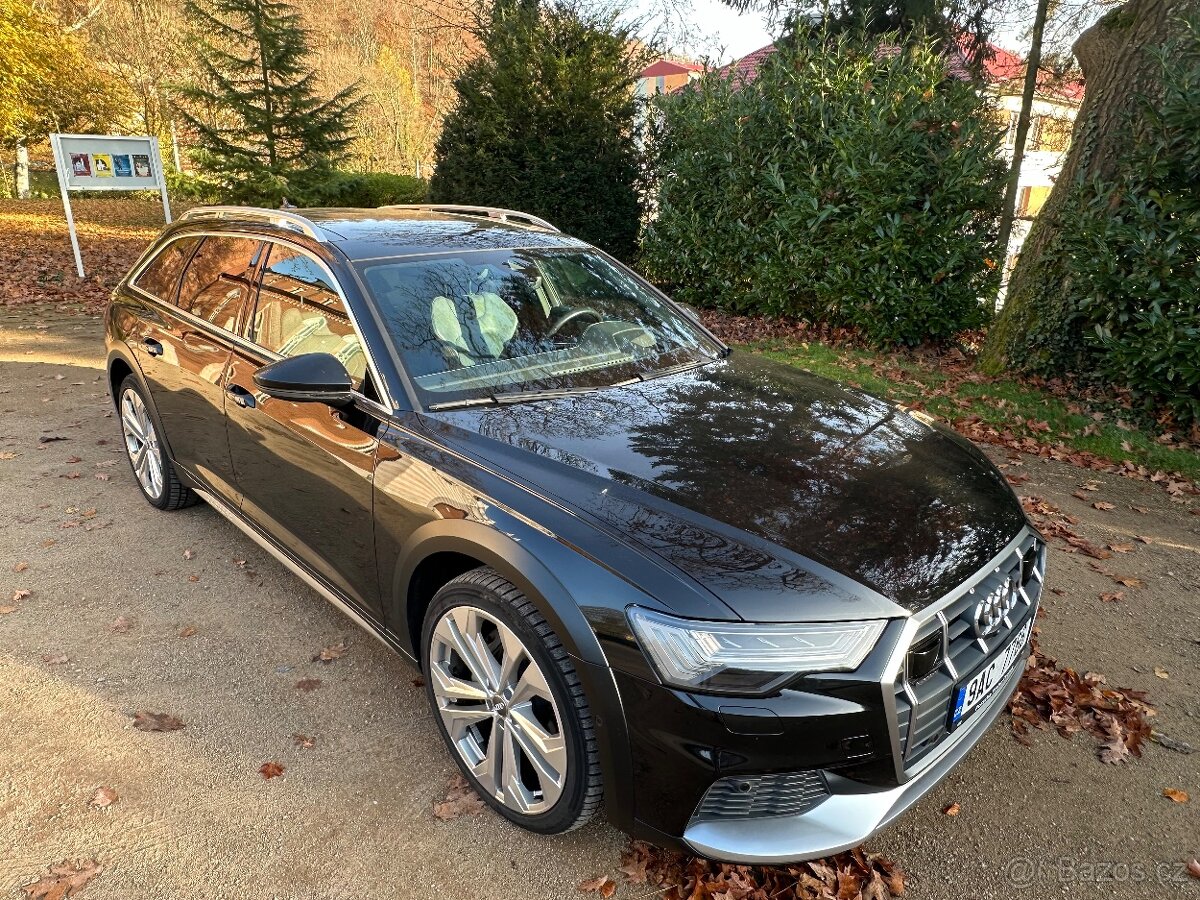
<point x="300" y="311"/>
<point x="1032" y="200"/>
<point x="219" y="279"/>
<point x="1054" y="134"/>
<point x="160" y="278"/>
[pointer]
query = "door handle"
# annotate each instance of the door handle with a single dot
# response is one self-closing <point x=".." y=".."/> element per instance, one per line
<point x="153" y="347"/>
<point x="240" y="395"/>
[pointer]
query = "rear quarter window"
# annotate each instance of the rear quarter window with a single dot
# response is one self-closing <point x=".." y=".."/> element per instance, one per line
<point x="160" y="277"/>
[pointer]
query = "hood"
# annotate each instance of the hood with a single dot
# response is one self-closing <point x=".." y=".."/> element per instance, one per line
<point x="786" y="495"/>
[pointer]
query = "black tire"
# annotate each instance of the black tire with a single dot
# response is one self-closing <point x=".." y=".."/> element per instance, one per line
<point x="174" y="494"/>
<point x="582" y="791"/>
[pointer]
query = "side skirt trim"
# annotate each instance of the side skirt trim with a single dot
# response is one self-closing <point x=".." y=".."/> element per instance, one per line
<point x="296" y="569"/>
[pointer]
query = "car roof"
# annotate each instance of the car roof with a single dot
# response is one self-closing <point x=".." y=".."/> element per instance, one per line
<point x="398" y="231"/>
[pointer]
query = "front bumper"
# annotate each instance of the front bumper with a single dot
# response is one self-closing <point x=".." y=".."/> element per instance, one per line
<point x="852" y="812"/>
<point x="825" y="764"/>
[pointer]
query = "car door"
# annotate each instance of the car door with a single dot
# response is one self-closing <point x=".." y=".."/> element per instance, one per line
<point x="305" y="470"/>
<point x="185" y="342"/>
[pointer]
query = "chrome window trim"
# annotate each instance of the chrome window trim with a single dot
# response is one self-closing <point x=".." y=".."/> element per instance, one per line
<point x="387" y="406"/>
<point x="894" y="667"/>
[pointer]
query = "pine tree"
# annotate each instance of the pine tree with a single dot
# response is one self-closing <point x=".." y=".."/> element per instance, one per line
<point x="262" y="127"/>
<point x="545" y="123"/>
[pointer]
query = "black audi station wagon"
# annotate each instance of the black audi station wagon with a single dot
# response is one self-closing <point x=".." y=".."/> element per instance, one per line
<point x="750" y="612"/>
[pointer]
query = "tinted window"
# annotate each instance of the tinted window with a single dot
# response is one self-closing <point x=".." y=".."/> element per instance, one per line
<point x="489" y="322"/>
<point x="299" y="311"/>
<point x="161" y="275"/>
<point x="219" y="279"/>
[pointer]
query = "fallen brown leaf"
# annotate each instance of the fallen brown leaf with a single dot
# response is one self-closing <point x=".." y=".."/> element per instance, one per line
<point x="604" y="886"/>
<point x="63" y="880"/>
<point x="1160" y="672"/>
<point x="19" y="595"/>
<point x="1103" y="505"/>
<point x="329" y="654"/>
<point x="1128" y="581"/>
<point x="1113" y="597"/>
<point x="1176" y="795"/>
<point x="189" y="553"/>
<point x="308" y="685"/>
<point x="104" y="797"/>
<point x="55" y="659"/>
<point x="460" y="800"/>
<point x="193" y="578"/>
<point x="1120" y="548"/>
<point x="303" y="741"/>
<point x="20" y="567"/>
<point x="953" y="809"/>
<point x="270" y="770"/>
<point x="188" y="631"/>
<point x="150" y="721"/>
<point x="121" y="624"/>
<point x="1193" y="868"/>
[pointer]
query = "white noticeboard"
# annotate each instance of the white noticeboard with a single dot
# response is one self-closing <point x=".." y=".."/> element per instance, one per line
<point x="99" y="162"/>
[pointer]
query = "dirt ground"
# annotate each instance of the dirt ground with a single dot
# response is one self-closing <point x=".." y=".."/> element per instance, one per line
<point x="351" y="816"/>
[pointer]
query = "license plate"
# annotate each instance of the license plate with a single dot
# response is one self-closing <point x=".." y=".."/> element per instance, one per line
<point x="980" y="686"/>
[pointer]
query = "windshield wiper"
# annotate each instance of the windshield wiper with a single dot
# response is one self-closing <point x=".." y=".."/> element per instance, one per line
<point x="506" y="398"/>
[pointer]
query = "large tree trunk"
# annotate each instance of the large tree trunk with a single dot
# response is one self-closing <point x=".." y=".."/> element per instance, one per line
<point x="1116" y="55"/>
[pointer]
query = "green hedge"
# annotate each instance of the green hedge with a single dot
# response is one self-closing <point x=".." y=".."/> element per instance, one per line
<point x="365" y="189"/>
<point x="331" y="188"/>
<point x="852" y="183"/>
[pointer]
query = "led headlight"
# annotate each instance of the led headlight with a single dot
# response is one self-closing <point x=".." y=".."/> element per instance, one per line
<point x="739" y="657"/>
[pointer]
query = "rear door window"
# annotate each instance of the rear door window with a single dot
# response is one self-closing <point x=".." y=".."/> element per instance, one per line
<point x="160" y="277"/>
<point x="300" y="311"/>
<point x="220" y="279"/>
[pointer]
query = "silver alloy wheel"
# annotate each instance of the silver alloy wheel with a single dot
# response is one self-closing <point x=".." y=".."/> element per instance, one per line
<point x="141" y="441"/>
<point x="498" y="709"/>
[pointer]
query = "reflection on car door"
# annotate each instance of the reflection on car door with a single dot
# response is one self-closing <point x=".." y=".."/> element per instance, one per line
<point x="305" y="469"/>
<point x="184" y="348"/>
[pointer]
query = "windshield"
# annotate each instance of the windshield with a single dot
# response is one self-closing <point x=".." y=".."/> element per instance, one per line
<point x="484" y="324"/>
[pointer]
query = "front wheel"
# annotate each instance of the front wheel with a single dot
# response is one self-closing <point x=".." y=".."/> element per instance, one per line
<point x="509" y="704"/>
<point x="147" y="457"/>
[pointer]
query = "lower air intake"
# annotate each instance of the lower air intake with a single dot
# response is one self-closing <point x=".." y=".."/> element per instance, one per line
<point x="762" y="796"/>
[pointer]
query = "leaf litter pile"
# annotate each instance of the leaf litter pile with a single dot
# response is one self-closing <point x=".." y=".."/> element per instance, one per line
<point x="1049" y="696"/>
<point x="853" y="875"/>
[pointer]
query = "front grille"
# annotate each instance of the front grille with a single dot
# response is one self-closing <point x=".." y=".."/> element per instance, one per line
<point x="922" y="704"/>
<point x="758" y="796"/>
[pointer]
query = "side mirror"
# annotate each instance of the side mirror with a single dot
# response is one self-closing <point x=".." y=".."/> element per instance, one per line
<point x="307" y="378"/>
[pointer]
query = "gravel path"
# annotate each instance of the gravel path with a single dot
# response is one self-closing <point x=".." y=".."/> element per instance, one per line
<point x="351" y="816"/>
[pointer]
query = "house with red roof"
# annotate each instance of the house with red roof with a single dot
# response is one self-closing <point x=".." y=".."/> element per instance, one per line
<point x="665" y="75"/>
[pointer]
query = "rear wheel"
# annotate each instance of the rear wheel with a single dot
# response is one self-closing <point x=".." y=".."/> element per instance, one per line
<point x="509" y="704"/>
<point x="147" y="457"/>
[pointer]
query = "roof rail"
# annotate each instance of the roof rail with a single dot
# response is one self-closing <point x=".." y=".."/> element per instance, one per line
<point x="490" y="212"/>
<point x="281" y="218"/>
